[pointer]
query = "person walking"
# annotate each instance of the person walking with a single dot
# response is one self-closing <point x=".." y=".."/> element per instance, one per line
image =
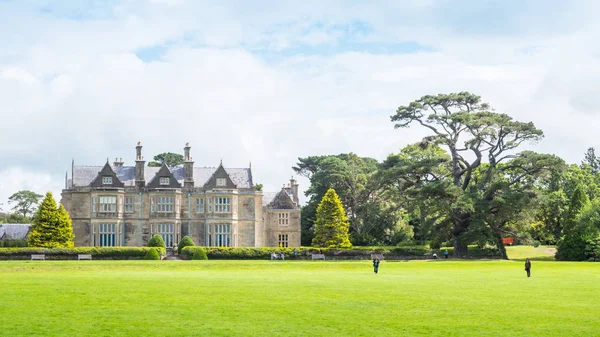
<point x="528" y="267"/>
<point x="446" y="253"/>
<point x="375" y="265"/>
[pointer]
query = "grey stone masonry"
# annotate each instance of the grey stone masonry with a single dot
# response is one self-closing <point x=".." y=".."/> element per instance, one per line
<point x="123" y="205"/>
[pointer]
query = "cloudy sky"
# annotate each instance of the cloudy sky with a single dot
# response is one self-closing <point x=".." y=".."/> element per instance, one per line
<point x="271" y="81"/>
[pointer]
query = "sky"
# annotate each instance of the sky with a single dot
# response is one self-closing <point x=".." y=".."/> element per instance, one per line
<point x="267" y="82"/>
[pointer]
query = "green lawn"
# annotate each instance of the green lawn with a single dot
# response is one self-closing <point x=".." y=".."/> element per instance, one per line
<point x="298" y="298"/>
<point x="541" y="253"/>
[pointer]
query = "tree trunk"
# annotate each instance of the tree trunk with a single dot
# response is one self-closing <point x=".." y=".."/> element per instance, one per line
<point x="501" y="246"/>
<point x="460" y="248"/>
<point x="461" y="224"/>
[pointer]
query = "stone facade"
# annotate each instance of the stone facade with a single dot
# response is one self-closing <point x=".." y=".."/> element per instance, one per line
<point x="117" y="205"/>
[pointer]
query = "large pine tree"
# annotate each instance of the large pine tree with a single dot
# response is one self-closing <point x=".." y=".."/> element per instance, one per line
<point x="51" y="226"/>
<point x="331" y="225"/>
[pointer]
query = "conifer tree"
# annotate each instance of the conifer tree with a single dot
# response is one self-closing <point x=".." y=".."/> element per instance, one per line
<point x="51" y="226"/>
<point x="331" y="225"/>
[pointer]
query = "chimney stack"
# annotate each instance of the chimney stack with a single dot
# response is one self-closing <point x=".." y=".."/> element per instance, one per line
<point x="118" y="162"/>
<point x="188" y="168"/>
<point x="294" y="185"/>
<point x="139" y="167"/>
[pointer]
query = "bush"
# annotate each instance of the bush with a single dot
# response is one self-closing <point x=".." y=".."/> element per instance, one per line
<point x="186" y="241"/>
<point x="200" y="254"/>
<point x="404" y="252"/>
<point x="536" y="243"/>
<point x="13" y="243"/>
<point x="152" y="254"/>
<point x="156" y="241"/>
<point x="571" y="248"/>
<point x="115" y="253"/>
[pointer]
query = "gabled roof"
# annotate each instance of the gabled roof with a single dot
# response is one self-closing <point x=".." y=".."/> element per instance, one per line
<point x="281" y="200"/>
<point x="220" y="172"/>
<point x="163" y="172"/>
<point x="84" y="175"/>
<point x="14" y="231"/>
<point x="106" y="171"/>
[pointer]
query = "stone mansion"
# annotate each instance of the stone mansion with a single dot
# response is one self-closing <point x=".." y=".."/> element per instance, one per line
<point x="117" y="205"/>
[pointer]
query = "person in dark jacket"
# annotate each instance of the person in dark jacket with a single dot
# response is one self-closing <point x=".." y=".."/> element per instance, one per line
<point x="528" y="267"/>
<point x="375" y="265"/>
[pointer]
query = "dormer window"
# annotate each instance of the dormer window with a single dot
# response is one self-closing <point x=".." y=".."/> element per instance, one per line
<point x="164" y="181"/>
<point x="106" y="180"/>
<point x="221" y="182"/>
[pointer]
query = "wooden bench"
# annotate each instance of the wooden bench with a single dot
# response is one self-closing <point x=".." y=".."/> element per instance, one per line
<point x="318" y="256"/>
<point x="84" y="256"/>
<point x="38" y="257"/>
<point x="377" y="256"/>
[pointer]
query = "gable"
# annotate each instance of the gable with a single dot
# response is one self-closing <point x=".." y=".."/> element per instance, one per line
<point x="105" y="175"/>
<point x="220" y="175"/>
<point x="165" y="174"/>
<point x="282" y="201"/>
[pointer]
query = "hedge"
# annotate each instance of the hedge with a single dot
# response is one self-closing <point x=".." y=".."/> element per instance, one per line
<point x="115" y="253"/>
<point x="399" y="253"/>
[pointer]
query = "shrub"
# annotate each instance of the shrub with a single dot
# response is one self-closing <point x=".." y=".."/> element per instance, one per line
<point x="152" y="254"/>
<point x="200" y="254"/>
<point x="536" y="243"/>
<point x="156" y="241"/>
<point x="116" y="253"/>
<point x="13" y="243"/>
<point x="571" y="248"/>
<point x="186" y="241"/>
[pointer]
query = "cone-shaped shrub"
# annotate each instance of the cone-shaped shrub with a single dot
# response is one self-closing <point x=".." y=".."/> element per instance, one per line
<point x="51" y="226"/>
<point x="152" y="254"/>
<point x="185" y="242"/>
<point x="200" y="254"/>
<point x="156" y="241"/>
<point x="331" y="225"/>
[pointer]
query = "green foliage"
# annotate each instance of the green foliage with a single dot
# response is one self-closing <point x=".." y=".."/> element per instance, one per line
<point x="258" y="187"/>
<point x="169" y="158"/>
<point x="51" y="226"/>
<point x="116" y="253"/>
<point x="356" y="252"/>
<point x="592" y="248"/>
<point x="464" y="124"/>
<point x="152" y="254"/>
<point x="571" y="248"/>
<point x="10" y="243"/>
<point x="26" y="202"/>
<point x="350" y="175"/>
<point x="199" y="254"/>
<point x="185" y="242"/>
<point x="331" y="225"/>
<point x="156" y="241"/>
<point x="15" y="218"/>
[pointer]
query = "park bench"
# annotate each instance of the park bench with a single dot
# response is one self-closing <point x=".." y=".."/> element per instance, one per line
<point x="318" y="256"/>
<point x="376" y="256"/>
<point x="84" y="256"/>
<point x="38" y="257"/>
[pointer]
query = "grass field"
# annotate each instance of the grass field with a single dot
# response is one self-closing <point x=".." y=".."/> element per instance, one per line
<point x="541" y="253"/>
<point x="298" y="298"/>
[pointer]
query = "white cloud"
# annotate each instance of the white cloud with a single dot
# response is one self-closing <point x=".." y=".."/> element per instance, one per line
<point x="77" y="89"/>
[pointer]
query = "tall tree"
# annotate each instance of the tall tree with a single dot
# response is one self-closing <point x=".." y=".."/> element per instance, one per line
<point x="51" y="226"/>
<point x="25" y="202"/>
<point x="349" y="175"/>
<point x="465" y="125"/>
<point x="169" y="158"/>
<point x="331" y="225"/>
<point x="592" y="160"/>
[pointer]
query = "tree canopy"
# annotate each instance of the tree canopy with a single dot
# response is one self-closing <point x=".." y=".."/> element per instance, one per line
<point x="25" y="202"/>
<point x="169" y="158"/>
